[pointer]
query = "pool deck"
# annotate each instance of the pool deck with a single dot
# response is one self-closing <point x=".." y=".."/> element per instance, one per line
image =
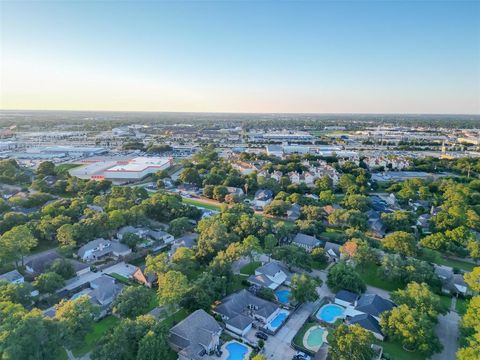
<point x="226" y="353"/>
<point x="308" y="332"/>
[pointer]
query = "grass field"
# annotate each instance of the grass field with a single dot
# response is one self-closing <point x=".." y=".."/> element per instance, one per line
<point x="396" y="351"/>
<point x="249" y="269"/>
<point x="63" y="168"/>
<point x="99" y="328"/>
<point x="371" y="277"/>
<point x="201" y="204"/>
<point x="237" y="283"/>
<point x="333" y="235"/>
<point x="446" y="301"/>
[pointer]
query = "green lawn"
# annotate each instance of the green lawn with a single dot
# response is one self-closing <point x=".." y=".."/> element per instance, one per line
<point x="237" y="283"/>
<point x="175" y="318"/>
<point x="61" y="354"/>
<point x="298" y="339"/>
<point x="371" y="277"/>
<point x="123" y="279"/>
<point x="446" y="301"/>
<point x="99" y="328"/>
<point x="461" y="306"/>
<point x="199" y="203"/>
<point x="437" y="258"/>
<point x="396" y="351"/>
<point x="249" y="269"/>
<point x="333" y="235"/>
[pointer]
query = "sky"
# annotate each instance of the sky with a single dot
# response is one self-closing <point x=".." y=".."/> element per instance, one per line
<point x="248" y="56"/>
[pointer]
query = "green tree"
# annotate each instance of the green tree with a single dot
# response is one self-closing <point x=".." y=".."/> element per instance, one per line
<point x="46" y="168"/>
<point x="473" y="279"/>
<point x="132" y="301"/>
<point x="27" y="335"/>
<point x="190" y="176"/>
<point x="412" y="328"/>
<point x="219" y="193"/>
<point x="131" y="240"/>
<point x="342" y="276"/>
<point x="172" y="287"/>
<point x="351" y="342"/>
<point x="16" y="243"/>
<point x="420" y="297"/>
<point x="16" y="293"/>
<point x="183" y="260"/>
<point x="304" y="288"/>
<point x="398" y="220"/>
<point x="356" y="202"/>
<point x="66" y="236"/>
<point x="400" y="242"/>
<point x="48" y="282"/>
<point x="154" y="345"/>
<point x="277" y="208"/>
<point x="157" y="264"/>
<point x="180" y="226"/>
<point x="77" y="318"/>
<point x="63" y="267"/>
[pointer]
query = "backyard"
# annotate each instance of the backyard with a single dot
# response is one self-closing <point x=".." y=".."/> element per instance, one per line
<point x="396" y="351"/>
<point x="249" y="269"/>
<point x="370" y="276"/>
<point x="99" y="328"/>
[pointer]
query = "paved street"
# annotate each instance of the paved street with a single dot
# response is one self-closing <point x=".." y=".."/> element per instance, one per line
<point x="278" y="346"/>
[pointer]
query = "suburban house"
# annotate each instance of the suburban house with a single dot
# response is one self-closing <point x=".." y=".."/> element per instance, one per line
<point x="451" y="282"/>
<point x="305" y="241"/>
<point x="156" y="239"/>
<point x="271" y="275"/>
<point x="376" y="224"/>
<point x="38" y="264"/>
<point x="345" y="298"/>
<point x="13" y="277"/>
<point x="235" y="191"/>
<point x="332" y="252"/>
<point x="100" y="248"/>
<point x="188" y="240"/>
<point x="373" y="304"/>
<point x="294" y="212"/>
<point x="195" y="336"/>
<point x="364" y="310"/>
<point x="423" y="223"/>
<point x="368" y="322"/>
<point x="102" y="292"/>
<point x="145" y="278"/>
<point x="241" y="309"/>
<point x="263" y="198"/>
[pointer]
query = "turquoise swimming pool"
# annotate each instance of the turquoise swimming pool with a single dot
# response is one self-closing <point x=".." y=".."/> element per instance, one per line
<point x="315" y="338"/>
<point x="283" y="295"/>
<point x="236" y="351"/>
<point x="330" y="312"/>
<point x="278" y="320"/>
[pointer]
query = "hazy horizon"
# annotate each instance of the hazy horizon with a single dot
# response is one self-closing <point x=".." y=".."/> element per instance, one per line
<point x="242" y="57"/>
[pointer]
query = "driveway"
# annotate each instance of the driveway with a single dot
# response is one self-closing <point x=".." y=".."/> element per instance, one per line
<point x="126" y="270"/>
<point x="278" y="346"/>
<point x="447" y="331"/>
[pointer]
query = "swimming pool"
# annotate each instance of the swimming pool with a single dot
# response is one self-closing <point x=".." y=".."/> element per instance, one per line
<point x="330" y="312"/>
<point x="283" y="296"/>
<point x="278" y="320"/>
<point x="236" y="351"/>
<point x="314" y="338"/>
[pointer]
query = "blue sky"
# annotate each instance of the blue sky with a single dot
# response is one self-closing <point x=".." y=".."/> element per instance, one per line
<point x="377" y="57"/>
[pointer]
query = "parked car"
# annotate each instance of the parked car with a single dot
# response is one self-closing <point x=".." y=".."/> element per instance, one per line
<point x="261" y="335"/>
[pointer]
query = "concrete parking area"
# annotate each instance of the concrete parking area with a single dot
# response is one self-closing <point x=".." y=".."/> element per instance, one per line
<point x="278" y="346"/>
<point x="122" y="268"/>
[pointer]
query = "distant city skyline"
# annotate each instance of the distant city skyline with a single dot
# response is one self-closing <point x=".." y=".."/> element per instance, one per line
<point x="241" y="57"/>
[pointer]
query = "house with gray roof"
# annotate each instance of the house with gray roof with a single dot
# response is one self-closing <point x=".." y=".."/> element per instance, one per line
<point x="263" y="198"/>
<point x="373" y="304"/>
<point x="195" y="336"/>
<point x="368" y="322"/>
<point x="345" y="298"/>
<point x="100" y="248"/>
<point x="40" y="263"/>
<point x="294" y="212"/>
<point x="332" y="252"/>
<point x="188" y="240"/>
<point x="241" y="309"/>
<point x="376" y="224"/>
<point x="451" y="282"/>
<point x="271" y="275"/>
<point x="157" y="239"/>
<point x="12" y="277"/>
<point x="305" y="241"/>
